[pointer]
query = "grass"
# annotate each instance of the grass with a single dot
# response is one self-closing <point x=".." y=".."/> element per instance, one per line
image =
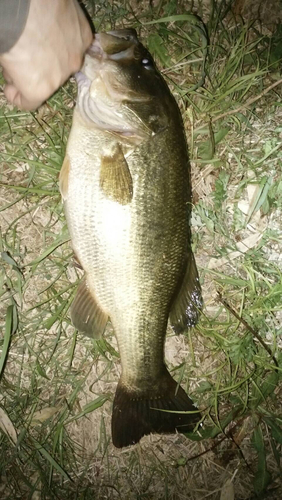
<point x="56" y="386"/>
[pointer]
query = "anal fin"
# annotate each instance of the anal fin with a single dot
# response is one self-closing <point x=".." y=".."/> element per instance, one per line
<point x="188" y="303"/>
<point x="86" y="314"/>
<point x="137" y="413"/>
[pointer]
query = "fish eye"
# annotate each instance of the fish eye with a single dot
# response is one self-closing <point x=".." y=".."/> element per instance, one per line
<point x="147" y="63"/>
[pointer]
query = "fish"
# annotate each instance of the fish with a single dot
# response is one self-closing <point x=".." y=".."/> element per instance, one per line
<point x="126" y="188"/>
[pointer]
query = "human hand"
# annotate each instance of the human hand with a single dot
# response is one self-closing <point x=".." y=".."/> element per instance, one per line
<point x="50" y="49"/>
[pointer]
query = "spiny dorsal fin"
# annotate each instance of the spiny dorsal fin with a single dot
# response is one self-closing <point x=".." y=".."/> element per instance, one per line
<point x="86" y="314"/>
<point x="64" y="177"/>
<point x="137" y="414"/>
<point x="115" y="177"/>
<point x="187" y="306"/>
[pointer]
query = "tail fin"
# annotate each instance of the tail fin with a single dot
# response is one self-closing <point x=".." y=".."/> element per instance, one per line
<point x="136" y="414"/>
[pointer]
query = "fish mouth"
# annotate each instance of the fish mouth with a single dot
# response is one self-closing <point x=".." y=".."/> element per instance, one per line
<point x="111" y="45"/>
<point x="102" y="90"/>
<point x="114" y="45"/>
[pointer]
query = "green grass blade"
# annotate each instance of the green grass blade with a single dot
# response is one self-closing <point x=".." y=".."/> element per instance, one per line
<point x="7" y="337"/>
<point x="50" y="459"/>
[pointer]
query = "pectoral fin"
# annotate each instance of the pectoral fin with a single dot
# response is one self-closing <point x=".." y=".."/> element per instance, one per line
<point x="187" y="306"/>
<point x="115" y="177"/>
<point x="64" y="177"/>
<point x="86" y="314"/>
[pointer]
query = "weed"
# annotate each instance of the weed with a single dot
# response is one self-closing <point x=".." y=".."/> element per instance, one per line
<point x="57" y="387"/>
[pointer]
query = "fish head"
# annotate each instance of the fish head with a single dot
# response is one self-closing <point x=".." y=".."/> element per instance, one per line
<point x="120" y="89"/>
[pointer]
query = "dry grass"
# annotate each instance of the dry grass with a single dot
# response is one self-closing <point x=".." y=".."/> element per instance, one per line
<point x="57" y="387"/>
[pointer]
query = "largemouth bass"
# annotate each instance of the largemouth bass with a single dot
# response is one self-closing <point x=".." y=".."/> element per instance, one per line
<point x="125" y="183"/>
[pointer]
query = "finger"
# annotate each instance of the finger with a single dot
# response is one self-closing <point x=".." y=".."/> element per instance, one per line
<point x="77" y="59"/>
<point x="14" y="96"/>
<point x="85" y="29"/>
<point x="6" y="76"/>
<point x="10" y="92"/>
<point x="87" y="36"/>
<point x="74" y="64"/>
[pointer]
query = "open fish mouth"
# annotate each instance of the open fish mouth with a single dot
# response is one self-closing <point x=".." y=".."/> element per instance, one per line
<point x="103" y="92"/>
<point x="114" y="45"/>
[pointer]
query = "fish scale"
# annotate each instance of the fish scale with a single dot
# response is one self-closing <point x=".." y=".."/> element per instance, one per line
<point x="127" y="201"/>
